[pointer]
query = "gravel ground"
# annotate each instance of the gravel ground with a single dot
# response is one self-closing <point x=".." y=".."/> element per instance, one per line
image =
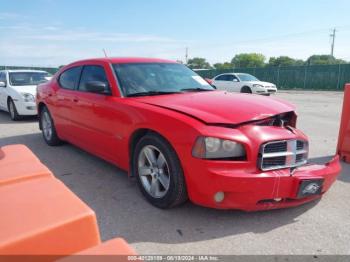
<point x="321" y="227"/>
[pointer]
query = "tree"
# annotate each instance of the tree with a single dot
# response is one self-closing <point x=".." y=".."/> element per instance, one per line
<point x="324" y="60"/>
<point x="284" y="61"/>
<point x="248" y="60"/>
<point x="221" y="66"/>
<point x="198" y="63"/>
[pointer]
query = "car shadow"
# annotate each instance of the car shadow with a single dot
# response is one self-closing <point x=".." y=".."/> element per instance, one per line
<point x="122" y="211"/>
<point x="345" y="172"/>
<point x="5" y="119"/>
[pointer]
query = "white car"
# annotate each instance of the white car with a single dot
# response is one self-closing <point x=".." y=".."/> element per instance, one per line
<point x="244" y="83"/>
<point x="18" y="91"/>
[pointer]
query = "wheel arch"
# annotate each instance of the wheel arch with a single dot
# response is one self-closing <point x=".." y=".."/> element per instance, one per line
<point x="246" y="87"/>
<point x="135" y="138"/>
<point x="9" y="98"/>
<point x="41" y="105"/>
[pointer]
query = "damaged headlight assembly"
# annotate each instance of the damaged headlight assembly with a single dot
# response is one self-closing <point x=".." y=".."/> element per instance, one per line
<point x="218" y="149"/>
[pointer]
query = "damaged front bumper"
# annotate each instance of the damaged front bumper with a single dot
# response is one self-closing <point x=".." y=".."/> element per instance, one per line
<point x="268" y="189"/>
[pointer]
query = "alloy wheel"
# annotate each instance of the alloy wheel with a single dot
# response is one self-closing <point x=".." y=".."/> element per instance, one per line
<point x="46" y="125"/>
<point x="153" y="170"/>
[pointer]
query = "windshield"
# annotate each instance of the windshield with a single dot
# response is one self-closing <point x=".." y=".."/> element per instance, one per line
<point x="247" y="77"/>
<point x="27" y="78"/>
<point x="158" y="78"/>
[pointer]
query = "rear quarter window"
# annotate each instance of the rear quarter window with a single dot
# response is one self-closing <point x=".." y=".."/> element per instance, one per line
<point x="69" y="79"/>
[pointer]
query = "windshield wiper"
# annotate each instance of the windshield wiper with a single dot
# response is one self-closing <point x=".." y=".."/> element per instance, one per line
<point x="152" y="93"/>
<point x="197" y="89"/>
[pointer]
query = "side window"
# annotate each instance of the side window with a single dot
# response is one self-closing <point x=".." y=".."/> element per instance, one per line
<point x="229" y="78"/>
<point x="69" y="79"/>
<point x="3" y="77"/>
<point x="221" y="78"/>
<point x="93" y="73"/>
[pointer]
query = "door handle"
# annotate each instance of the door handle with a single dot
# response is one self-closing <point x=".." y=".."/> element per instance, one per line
<point x="75" y="99"/>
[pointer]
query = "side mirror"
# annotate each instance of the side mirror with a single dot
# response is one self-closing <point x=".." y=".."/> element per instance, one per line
<point x="235" y="80"/>
<point x="96" y="86"/>
<point x="2" y="84"/>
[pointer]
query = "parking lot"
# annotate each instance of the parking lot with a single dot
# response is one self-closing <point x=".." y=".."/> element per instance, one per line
<point x="321" y="227"/>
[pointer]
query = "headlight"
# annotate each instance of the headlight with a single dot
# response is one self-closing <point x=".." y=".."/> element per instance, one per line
<point x="28" y="97"/>
<point x="216" y="148"/>
<point x="257" y="85"/>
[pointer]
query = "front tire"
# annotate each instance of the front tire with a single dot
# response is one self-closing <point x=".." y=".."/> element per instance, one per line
<point x="246" y="89"/>
<point x="48" y="128"/>
<point x="158" y="172"/>
<point x="13" y="110"/>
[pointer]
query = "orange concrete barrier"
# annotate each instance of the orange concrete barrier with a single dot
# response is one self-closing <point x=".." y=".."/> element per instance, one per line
<point x="38" y="213"/>
<point x="343" y="148"/>
<point x="41" y="216"/>
<point x="18" y="163"/>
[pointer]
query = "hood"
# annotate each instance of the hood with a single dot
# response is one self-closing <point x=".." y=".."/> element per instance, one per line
<point x="25" y="89"/>
<point x="220" y="107"/>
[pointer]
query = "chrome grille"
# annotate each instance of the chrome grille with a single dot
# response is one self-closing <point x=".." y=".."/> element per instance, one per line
<point x="283" y="154"/>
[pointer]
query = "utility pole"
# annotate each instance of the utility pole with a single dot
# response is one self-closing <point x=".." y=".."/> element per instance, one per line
<point x="332" y="39"/>
<point x="186" y="55"/>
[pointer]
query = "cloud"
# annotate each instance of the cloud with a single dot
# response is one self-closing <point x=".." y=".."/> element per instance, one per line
<point x="64" y="35"/>
<point x="54" y="45"/>
<point x="55" y="33"/>
<point x="10" y="16"/>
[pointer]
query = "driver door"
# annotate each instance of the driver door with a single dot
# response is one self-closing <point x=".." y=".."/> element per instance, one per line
<point x="95" y="116"/>
<point x="233" y="84"/>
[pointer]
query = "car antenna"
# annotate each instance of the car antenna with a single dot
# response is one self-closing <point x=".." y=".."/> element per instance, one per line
<point x="104" y="51"/>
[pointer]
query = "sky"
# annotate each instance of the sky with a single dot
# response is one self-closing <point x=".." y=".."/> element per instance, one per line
<point x="53" y="33"/>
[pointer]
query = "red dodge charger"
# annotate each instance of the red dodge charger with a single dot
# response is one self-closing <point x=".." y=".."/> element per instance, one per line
<point x="180" y="138"/>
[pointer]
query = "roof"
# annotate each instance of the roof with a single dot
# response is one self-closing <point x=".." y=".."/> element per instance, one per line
<point x="124" y="60"/>
<point x="234" y="73"/>
<point x="24" y="71"/>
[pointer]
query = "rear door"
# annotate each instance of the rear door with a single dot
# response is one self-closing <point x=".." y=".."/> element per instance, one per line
<point x="64" y="110"/>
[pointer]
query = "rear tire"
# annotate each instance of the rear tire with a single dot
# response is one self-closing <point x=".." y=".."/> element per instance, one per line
<point x="13" y="110"/>
<point x="246" y="89"/>
<point x="158" y="172"/>
<point x="48" y="128"/>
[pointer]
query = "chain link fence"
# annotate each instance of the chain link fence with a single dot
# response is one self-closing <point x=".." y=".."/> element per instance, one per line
<point x="314" y="77"/>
